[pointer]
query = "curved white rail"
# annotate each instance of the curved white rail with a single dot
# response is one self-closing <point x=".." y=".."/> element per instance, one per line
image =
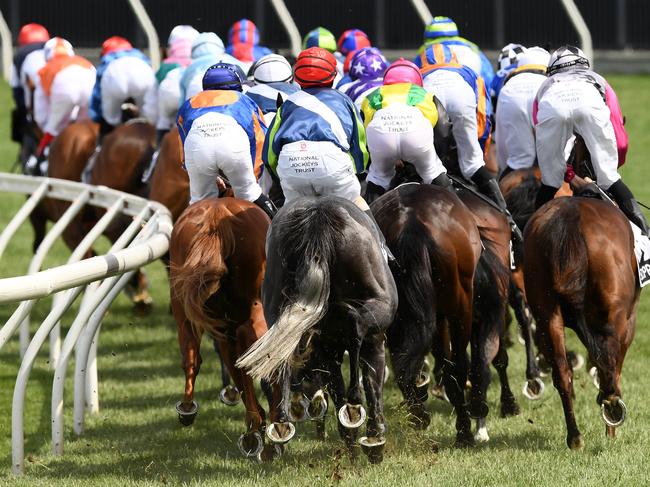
<point x="145" y="240"/>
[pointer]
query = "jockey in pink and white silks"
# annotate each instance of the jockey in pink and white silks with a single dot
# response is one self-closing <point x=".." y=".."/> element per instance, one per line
<point x="515" y="132"/>
<point x="576" y="100"/>
<point x="399" y="117"/>
<point x="124" y="73"/>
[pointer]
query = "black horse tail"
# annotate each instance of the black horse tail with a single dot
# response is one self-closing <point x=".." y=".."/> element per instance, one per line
<point x="308" y="243"/>
<point x="521" y="200"/>
<point x="491" y="287"/>
<point x="413" y="249"/>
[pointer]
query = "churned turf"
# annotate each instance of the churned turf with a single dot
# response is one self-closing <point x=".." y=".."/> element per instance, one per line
<point x="136" y="438"/>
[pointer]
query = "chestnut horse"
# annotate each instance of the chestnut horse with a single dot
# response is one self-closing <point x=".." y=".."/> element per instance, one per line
<point x="327" y="290"/>
<point x="581" y="273"/>
<point x="217" y="266"/>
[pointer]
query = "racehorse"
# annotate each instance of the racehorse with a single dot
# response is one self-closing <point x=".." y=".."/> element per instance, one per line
<point x="217" y="265"/>
<point x="581" y="273"/>
<point x="327" y="290"/>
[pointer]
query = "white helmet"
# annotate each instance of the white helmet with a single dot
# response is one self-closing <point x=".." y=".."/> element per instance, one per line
<point x="535" y="55"/>
<point x="272" y="68"/>
<point x="566" y="57"/>
<point x="185" y="32"/>
<point x="509" y="56"/>
<point x="57" y="46"/>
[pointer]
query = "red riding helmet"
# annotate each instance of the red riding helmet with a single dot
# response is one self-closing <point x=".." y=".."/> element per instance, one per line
<point x="30" y="33"/>
<point x="315" y="67"/>
<point x="114" y="44"/>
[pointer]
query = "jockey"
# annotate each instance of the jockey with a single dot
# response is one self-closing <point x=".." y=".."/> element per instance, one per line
<point x="27" y="61"/>
<point x="323" y="38"/>
<point x="366" y="71"/>
<point x="443" y="30"/>
<point x="508" y="60"/>
<point x="163" y="98"/>
<point x="399" y="118"/>
<point x="273" y="78"/>
<point x="317" y="143"/>
<point x="243" y="42"/>
<point x="465" y="98"/>
<point x="124" y="73"/>
<point x="207" y="49"/>
<point x="515" y="132"/>
<point x="64" y="86"/>
<point x="575" y="99"/>
<point x="222" y="129"/>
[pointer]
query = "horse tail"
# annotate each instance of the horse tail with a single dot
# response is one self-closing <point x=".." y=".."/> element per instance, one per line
<point x="309" y="241"/>
<point x="416" y="291"/>
<point x="199" y="276"/>
<point x="491" y="285"/>
<point x="521" y="200"/>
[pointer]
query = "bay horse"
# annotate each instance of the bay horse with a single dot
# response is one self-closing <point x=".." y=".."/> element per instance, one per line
<point x="328" y="289"/>
<point x="217" y="266"/>
<point x="581" y="273"/>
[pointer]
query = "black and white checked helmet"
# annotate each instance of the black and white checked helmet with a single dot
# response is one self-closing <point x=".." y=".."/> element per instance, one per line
<point x="509" y="56"/>
<point x="566" y="57"/>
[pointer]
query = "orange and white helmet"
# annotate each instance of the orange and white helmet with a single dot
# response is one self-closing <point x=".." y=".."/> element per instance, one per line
<point x="57" y="46"/>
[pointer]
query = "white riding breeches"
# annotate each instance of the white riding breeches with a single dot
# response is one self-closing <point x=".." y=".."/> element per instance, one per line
<point x="308" y="168"/>
<point x="216" y="142"/>
<point x="69" y="98"/>
<point x="575" y="107"/>
<point x="126" y="77"/>
<point x="401" y="132"/>
<point x="459" y="101"/>
<point x="515" y="133"/>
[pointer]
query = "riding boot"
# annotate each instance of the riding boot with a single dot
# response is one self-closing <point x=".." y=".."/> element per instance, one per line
<point x="266" y="205"/>
<point x="160" y="133"/>
<point x="490" y="188"/>
<point x="443" y="181"/>
<point x="628" y="205"/>
<point x="382" y="239"/>
<point x="544" y="195"/>
<point x="104" y="128"/>
<point x="373" y="192"/>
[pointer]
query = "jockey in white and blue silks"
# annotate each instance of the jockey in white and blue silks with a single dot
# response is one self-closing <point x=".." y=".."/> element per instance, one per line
<point x="207" y="50"/>
<point x="508" y="60"/>
<point x="367" y="69"/>
<point x="443" y="30"/>
<point x="273" y="78"/>
<point x="124" y="73"/>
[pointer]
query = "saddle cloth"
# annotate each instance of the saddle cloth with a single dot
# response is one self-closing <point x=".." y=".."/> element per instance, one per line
<point x="642" y="253"/>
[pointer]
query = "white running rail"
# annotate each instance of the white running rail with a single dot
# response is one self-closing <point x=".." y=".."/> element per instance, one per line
<point x="145" y="240"/>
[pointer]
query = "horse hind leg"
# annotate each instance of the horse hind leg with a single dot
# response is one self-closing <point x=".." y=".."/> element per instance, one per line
<point x="229" y="394"/>
<point x="190" y="343"/>
<point x="373" y="361"/>
<point x="509" y="406"/>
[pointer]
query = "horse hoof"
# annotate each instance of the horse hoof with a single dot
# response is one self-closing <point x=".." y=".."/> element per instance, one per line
<point x="280" y="433"/>
<point x="297" y="411"/>
<point x="352" y="416"/>
<point x="543" y="365"/>
<point x="269" y="453"/>
<point x="373" y="447"/>
<point x="478" y="409"/>
<point x="613" y="412"/>
<point x="593" y="372"/>
<point x="464" y="440"/>
<point x="251" y="444"/>
<point x="386" y="373"/>
<point x="481" y="435"/>
<point x="426" y="366"/>
<point x="229" y="395"/>
<point x="576" y="443"/>
<point x="510" y="408"/>
<point x="438" y="391"/>
<point x="576" y="360"/>
<point x="184" y="416"/>
<point x="533" y="389"/>
<point x="419" y="418"/>
<point x="317" y="406"/>
<point x="422" y="380"/>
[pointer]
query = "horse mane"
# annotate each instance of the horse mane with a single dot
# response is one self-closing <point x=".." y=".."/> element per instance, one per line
<point x="521" y="200"/>
<point x="211" y="243"/>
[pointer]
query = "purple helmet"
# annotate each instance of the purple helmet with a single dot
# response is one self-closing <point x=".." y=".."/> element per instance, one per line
<point x="367" y="63"/>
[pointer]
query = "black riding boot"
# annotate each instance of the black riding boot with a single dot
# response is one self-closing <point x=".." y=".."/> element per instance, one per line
<point x="628" y="205"/>
<point x="266" y="205"/>
<point x="382" y="238"/>
<point x="443" y="181"/>
<point x="160" y="133"/>
<point x="104" y="128"/>
<point x="490" y="188"/>
<point x="373" y="192"/>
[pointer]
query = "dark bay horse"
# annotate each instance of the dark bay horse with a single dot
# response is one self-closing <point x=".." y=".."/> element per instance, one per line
<point x="581" y="273"/>
<point x="217" y="266"/>
<point x="170" y="184"/>
<point x="327" y="290"/>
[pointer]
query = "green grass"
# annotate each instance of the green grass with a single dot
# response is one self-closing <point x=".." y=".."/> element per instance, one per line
<point x="136" y="438"/>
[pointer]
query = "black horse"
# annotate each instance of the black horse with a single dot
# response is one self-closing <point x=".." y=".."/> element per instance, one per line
<point x="327" y="290"/>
